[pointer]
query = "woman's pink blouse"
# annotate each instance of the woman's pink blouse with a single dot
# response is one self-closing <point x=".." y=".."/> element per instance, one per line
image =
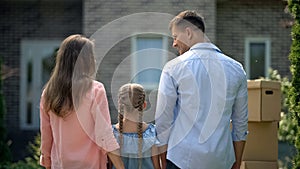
<point x="81" y="139"/>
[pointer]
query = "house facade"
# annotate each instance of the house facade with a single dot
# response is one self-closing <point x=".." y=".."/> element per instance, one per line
<point x="132" y="45"/>
<point x="30" y="32"/>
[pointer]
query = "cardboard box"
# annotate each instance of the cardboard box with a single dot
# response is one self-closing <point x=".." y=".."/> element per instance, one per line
<point x="264" y="100"/>
<point x="262" y="142"/>
<point x="259" y="165"/>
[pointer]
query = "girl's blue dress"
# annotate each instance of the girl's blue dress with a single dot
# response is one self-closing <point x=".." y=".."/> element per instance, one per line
<point x="129" y="151"/>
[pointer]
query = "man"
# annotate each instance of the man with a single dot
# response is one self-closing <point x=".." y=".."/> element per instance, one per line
<point x="200" y="93"/>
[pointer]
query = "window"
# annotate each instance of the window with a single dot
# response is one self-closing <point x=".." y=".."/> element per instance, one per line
<point x="37" y="62"/>
<point x="257" y="57"/>
<point x="149" y="57"/>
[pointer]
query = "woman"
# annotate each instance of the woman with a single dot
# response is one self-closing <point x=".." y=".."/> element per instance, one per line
<point x="75" y="122"/>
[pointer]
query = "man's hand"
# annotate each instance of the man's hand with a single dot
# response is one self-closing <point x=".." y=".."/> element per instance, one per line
<point x="236" y="166"/>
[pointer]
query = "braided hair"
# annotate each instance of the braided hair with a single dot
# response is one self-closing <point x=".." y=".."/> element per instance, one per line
<point x="131" y="98"/>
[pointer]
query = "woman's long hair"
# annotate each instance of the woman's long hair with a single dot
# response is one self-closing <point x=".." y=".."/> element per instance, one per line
<point x="132" y="97"/>
<point x="74" y="68"/>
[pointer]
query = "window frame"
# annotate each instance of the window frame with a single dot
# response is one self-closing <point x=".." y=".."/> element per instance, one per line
<point x="267" y="42"/>
<point x="35" y="48"/>
<point x="134" y="40"/>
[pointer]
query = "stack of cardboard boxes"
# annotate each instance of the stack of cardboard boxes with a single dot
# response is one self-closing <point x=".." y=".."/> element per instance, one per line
<point x="264" y="104"/>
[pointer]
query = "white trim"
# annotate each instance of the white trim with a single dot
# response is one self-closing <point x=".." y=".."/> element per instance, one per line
<point x="134" y="56"/>
<point x="165" y="47"/>
<point x="36" y="49"/>
<point x="267" y="42"/>
<point x="133" y="52"/>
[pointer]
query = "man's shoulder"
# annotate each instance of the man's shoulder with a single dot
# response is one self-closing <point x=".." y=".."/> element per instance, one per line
<point x="178" y="61"/>
<point x="231" y="60"/>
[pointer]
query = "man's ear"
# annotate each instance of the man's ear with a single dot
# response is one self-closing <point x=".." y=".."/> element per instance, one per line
<point x="145" y="105"/>
<point x="189" y="32"/>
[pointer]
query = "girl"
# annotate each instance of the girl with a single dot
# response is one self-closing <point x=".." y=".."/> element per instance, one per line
<point x="137" y="139"/>
<point x="75" y="123"/>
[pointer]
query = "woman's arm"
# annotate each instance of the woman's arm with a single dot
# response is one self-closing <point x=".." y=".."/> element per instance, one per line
<point x="46" y="136"/>
<point x="116" y="159"/>
<point x="103" y="129"/>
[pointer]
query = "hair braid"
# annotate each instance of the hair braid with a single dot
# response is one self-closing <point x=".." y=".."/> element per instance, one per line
<point x="140" y="136"/>
<point x="121" y="116"/>
<point x="132" y="99"/>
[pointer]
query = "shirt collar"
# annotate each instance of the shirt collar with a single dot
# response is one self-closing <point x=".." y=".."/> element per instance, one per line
<point x="205" y="46"/>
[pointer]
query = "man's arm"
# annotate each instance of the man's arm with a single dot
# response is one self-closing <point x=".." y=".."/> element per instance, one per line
<point x="164" y="114"/>
<point x="239" y="119"/>
<point x="238" y="149"/>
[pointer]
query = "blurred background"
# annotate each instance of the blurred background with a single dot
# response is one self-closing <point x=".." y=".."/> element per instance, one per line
<point x="256" y="33"/>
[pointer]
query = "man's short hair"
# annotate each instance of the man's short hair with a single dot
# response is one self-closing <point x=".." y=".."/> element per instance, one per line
<point x="188" y="18"/>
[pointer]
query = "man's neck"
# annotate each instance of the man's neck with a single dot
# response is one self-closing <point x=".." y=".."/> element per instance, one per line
<point x="197" y="39"/>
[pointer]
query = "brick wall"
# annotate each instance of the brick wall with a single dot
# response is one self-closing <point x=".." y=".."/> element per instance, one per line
<point x="30" y="19"/>
<point x="98" y="14"/>
<point x="228" y="22"/>
<point x="238" y="19"/>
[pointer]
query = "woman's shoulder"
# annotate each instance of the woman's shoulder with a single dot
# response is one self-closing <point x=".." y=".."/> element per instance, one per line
<point x="97" y="88"/>
<point x="97" y="84"/>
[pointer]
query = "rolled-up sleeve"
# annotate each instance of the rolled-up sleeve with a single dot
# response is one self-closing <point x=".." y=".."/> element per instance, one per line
<point x="240" y="113"/>
<point x="46" y="136"/>
<point x="166" y="100"/>
<point x="103" y="130"/>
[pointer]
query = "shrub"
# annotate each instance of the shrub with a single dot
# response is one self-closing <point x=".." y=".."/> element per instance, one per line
<point x="31" y="162"/>
<point x="294" y="92"/>
<point x="5" y="154"/>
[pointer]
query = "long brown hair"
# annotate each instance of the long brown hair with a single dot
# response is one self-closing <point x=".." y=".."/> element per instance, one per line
<point x="132" y="97"/>
<point x="75" y="66"/>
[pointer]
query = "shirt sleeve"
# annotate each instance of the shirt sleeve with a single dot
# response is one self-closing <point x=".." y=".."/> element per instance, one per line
<point x="46" y="136"/>
<point x="166" y="100"/>
<point x="103" y="130"/>
<point x="239" y="115"/>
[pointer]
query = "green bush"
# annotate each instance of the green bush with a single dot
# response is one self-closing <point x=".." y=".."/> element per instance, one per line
<point x="19" y="165"/>
<point x="287" y="128"/>
<point x="31" y="162"/>
<point x="5" y="154"/>
<point x="294" y="92"/>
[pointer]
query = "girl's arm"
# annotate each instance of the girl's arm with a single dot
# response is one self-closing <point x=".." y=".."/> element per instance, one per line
<point x="155" y="157"/>
<point x="163" y="156"/>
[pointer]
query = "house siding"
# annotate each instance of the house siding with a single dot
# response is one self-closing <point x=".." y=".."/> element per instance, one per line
<point x="31" y="20"/>
<point x="238" y="20"/>
<point x="228" y="23"/>
<point x="98" y="14"/>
